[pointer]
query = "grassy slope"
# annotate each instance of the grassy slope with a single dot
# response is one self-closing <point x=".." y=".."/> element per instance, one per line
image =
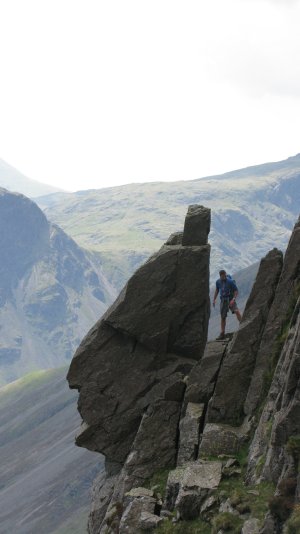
<point x="253" y="210"/>
<point x="45" y="478"/>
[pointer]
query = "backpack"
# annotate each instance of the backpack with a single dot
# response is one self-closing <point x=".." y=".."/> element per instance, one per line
<point x="229" y="289"/>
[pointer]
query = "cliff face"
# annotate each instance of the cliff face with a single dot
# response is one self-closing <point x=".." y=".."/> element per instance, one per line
<point x="156" y="398"/>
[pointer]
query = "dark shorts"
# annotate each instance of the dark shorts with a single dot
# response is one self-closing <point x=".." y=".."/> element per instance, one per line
<point x="224" y="308"/>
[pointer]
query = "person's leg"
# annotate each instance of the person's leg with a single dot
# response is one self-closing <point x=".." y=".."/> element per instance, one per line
<point x="223" y="311"/>
<point x="234" y="309"/>
<point x="238" y="315"/>
<point x="223" y="325"/>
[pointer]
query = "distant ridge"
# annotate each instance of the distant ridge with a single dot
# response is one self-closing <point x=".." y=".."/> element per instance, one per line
<point x="253" y="209"/>
<point x="15" y="181"/>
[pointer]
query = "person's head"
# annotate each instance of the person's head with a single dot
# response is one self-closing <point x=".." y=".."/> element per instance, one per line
<point x="222" y="274"/>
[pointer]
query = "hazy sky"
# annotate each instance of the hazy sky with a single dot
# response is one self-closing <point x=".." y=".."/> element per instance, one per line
<point x="104" y="92"/>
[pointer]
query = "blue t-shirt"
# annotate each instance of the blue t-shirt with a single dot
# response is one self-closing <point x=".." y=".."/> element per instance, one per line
<point x="226" y="287"/>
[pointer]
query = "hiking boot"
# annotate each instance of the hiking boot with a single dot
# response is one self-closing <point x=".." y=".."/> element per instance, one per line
<point x="221" y="336"/>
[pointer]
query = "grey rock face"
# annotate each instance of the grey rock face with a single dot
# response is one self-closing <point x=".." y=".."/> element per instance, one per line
<point x="230" y="394"/>
<point x="101" y="494"/>
<point x="221" y="439"/>
<point x="173" y="485"/>
<point x="175" y="239"/>
<point x="131" y="519"/>
<point x="190" y="433"/>
<point x="285" y="292"/>
<point x="280" y="418"/>
<point x="163" y="305"/>
<point x="251" y="526"/>
<point x="149" y="521"/>
<point x="206" y="475"/>
<point x="189" y="485"/>
<point x="196" y="226"/>
<point x="142" y="347"/>
<point x="130" y="369"/>
<point x="202" y="378"/>
<point x="197" y="480"/>
<point x="155" y="444"/>
<point x="207" y="506"/>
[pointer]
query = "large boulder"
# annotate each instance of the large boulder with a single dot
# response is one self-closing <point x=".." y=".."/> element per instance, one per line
<point x="198" y="480"/>
<point x="188" y="486"/>
<point x="221" y="439"/>
<point x="131" y="367"/>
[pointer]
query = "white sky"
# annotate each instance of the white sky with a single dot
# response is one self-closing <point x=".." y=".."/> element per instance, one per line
<point x="103" y="92"/>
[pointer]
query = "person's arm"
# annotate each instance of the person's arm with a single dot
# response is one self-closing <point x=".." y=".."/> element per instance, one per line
<point x="235" y="294"/>
<point x="215" y="296"/>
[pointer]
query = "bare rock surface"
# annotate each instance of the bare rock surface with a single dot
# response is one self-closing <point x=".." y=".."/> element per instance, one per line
<point x="196" y="226"/>
<point x="155" y="445"/>
<point x="220" y="439"/>
<point x="287" y="286"/>
<point x="151" y="396"/>
<point x="190" y="433"/>
<point x="280" y="419"/>
<point x="197" y="481"/>
<point x="230" y="394"/>
<point x="149" y="521"/>
<point x="134" y="355"/>
<point x="131" y="518"/>
<point x="101" y="494"/>
<point x="202" y="378"/>
<point x="130" y="369"/>
<point x="189" y="485"/>
<point x="251" y="526"/>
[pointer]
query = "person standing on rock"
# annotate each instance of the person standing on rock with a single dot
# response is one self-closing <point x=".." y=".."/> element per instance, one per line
<point x="228" y="293"/>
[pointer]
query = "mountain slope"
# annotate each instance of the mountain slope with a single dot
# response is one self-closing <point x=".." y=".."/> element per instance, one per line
<point x="13" y="180"/>
<point x="45" y="479"/>
<point x="253" y="210"/>
<point x="51" y="290"/>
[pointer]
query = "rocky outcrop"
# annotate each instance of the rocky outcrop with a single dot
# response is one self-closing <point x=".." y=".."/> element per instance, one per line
<point x="155" y="399"/>
<point x="278" y="316"/>
<point x="202" y="379"/>
<point x="130" y="368"/>
<point x="196" y="226"/>
<point x="230" y="394"/>
<point x="276" y="444"/>
<point x="190" y="485"/>
<point x="189" y="430"/>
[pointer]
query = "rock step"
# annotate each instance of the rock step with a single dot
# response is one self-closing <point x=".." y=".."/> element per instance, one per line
<point x="189" y="428"/>
<point x="188" y="487"/>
